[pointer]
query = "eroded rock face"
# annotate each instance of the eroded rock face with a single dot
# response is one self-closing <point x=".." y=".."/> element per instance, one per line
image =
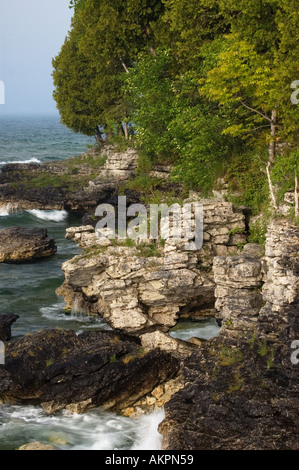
<point x="62" y="370"/>
<point x="242" y="390"/>
<point x="238" y="292"/>
<point x="19" y="244"/>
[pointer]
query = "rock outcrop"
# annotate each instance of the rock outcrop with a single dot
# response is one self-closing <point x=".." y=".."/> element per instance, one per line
<point x="77" y="184"/>
<point x="5" y="325"/>
<point x="62" y="370"/>
<point x="147" y="287"/>
<point x="19" y="244"/>
<point x="242" y="390"/>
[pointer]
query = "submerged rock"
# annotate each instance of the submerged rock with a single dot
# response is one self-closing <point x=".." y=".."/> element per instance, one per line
<point x="5" y="325"/>
<point x="37" y="446"/>
<point x="18" y="244"/>
<point x="59" y="369"/>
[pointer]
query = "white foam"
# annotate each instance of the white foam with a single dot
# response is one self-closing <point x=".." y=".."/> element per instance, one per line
<point x="3" y="212"/>
<point x="9" y="209"/>
<point x="148" y="436"/>
<point x="95" y="430"/>
<point x="56" y="312"/>
<point x="32" y="160"/>
<point x="54" y="215"/>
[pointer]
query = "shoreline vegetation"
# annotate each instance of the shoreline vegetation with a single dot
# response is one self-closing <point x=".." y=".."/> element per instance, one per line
<point x="188" y="101"/>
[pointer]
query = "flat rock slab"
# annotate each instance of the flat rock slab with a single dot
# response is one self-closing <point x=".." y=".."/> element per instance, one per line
<point x="18" y="244"/>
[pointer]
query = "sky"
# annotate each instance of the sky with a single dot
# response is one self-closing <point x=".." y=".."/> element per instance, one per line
<point x="31" y="34"/>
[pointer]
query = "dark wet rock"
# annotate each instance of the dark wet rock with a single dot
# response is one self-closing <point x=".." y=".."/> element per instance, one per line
<point x="5" y="325"/>
<point x="235" y="399"/>
<point x="18" y="244"/>
<point x="62" y="370"/>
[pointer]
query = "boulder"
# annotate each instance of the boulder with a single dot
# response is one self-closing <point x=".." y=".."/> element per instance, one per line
<point x="5" y="326"/>
<point x="62" y="370"/>
<point x="19" y="244"/>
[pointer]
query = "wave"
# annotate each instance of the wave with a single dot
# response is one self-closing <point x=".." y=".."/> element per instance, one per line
<point x="32" y="160"/>
<point x="54" y="215"/>
<point x="3" y="212"/>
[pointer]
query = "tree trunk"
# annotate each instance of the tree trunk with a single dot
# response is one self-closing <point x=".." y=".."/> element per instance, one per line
<point x="126" y="131"/>
<point x="272" y="152"/>
<point x="272" y="145"/>
<point x="271" y="188"/>
<point x="296" y="197"/>
<point x="109" y="135"/>
<point x="98" y="136"/>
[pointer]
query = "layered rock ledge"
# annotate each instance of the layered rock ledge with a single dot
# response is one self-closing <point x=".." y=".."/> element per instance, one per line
<point x="144" y="289"/>
<point x="18" y="244"/>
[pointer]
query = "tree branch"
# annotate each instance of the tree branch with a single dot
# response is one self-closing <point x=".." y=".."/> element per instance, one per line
<point x="256" y="129"/>
<point x="124" y="65"/>
<point x="256" y="111"/>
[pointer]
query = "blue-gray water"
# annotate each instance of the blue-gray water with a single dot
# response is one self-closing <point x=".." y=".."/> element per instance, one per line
<point x="29" y="291"/>
<point x="29" y="138"/>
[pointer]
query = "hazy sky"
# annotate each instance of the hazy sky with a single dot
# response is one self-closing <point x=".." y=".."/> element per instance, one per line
<point x="31" y="34"/>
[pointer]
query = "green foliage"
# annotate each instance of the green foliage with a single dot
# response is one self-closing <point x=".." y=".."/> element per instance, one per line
<point x="286" y="166"/>
<point x="148" y="87"/>
<point x="143" y="183"/>
<point x="262" y="347"/>
<point x="228" y="356"/>
<point x="270" y="360"/>
<point x="236" y="384"/>
<point x="258" y="231"/>
<point x="104" y="40"/>
<point x="196" y="81"/>
<point x="113" y="358"/>
<point x="247" y="180"/>
<point x="147" y="250"/>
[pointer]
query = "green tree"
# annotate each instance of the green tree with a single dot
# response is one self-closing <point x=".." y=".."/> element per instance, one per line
<point x="255" y="69"/>
<point x="103" y="42"/>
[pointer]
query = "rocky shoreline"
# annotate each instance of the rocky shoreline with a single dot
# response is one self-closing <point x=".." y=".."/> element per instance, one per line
<point x="237" y="391"/>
